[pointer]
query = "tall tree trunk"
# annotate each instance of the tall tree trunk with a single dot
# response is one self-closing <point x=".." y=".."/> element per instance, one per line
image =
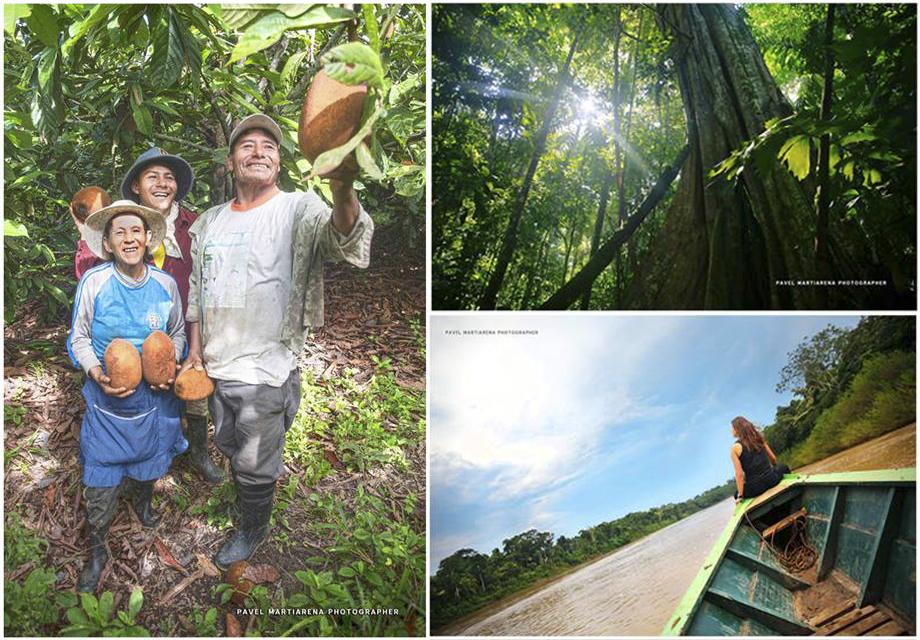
<point x="509" y="243"/>
<point x="727" y="247"/>
<point x="605" y="189"/>
<point x="582" y="281"/>
<point x="621" y="196"/>
<point x="822" y="246"/>
<point x="598" y="228"/>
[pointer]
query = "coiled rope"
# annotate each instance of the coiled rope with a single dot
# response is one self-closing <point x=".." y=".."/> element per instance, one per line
<point x="797" y="555"/>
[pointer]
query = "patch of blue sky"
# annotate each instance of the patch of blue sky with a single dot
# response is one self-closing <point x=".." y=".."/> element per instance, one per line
<point x="591" y="417"/>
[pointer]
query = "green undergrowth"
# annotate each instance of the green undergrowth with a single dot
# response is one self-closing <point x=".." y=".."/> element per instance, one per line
<point x="354" y="449"/>
<point x="31" y="607"/>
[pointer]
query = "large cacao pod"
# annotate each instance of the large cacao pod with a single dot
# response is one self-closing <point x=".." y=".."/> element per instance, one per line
<point x="123" y="364"/>
<point x="194" y="384"/>
<point x="89" y="200"/>
<point x="158" y="358"/>
<point x="330" y="115"/>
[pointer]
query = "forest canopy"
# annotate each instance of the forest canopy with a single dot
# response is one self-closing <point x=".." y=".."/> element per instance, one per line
<point x="674" y="156"/>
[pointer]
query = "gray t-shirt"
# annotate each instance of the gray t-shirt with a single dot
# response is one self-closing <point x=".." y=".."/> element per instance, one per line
<point x="241" y="283"/>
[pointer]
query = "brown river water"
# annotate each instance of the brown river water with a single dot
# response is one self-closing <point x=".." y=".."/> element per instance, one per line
<point x="633" y="591"/>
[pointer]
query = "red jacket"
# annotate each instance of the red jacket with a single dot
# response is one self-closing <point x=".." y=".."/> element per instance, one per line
<point x="180" y="270"/>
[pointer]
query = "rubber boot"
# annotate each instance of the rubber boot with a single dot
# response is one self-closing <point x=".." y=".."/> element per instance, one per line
<point x="255" y="505"/>
<point x="100" y="509"/>
<point x="198" y="450"/>
<point x="143" y="504"/>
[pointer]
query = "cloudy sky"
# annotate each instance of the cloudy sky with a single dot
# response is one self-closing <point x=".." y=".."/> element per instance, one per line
<point x="562" y="422"/>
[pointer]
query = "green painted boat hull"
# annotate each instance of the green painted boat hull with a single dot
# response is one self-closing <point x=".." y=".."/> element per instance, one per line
<point x="862" y="526"/>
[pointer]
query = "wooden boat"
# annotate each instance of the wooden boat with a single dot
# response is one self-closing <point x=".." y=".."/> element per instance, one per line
<point x="859" y="546"/>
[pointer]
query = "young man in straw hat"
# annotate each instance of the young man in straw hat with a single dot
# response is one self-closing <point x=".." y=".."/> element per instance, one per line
<point x="128" y="436"/>
<point x="255" y="287"/>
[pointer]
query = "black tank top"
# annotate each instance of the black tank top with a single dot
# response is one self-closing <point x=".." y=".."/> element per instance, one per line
<point x="756" y="465"/>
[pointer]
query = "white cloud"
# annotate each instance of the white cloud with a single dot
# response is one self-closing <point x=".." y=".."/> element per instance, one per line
<point x="533" y="408"/>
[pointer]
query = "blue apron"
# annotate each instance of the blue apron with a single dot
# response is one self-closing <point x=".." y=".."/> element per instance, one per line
<point x="135" y="436"/>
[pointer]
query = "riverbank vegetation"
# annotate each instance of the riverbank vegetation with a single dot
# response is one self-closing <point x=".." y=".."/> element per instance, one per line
<point x="674" y="156"/>
<point x="848" y="386"/>
<point x="469" y="580"/>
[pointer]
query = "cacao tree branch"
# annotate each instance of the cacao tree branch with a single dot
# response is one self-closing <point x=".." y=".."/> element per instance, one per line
<point x="582" y="281"/>
<point x="310" y="71"/>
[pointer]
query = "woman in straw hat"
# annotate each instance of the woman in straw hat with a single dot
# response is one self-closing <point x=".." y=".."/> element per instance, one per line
<point x="128" y="436"/>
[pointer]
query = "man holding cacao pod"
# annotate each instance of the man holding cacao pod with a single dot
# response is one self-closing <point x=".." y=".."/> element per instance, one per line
<point x="256" y="286"/>
<point x="130" y="430"/>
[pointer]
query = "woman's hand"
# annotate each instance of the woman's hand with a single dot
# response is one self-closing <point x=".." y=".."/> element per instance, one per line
<point x="104" y="383"/>
<point x="165" y="386"/>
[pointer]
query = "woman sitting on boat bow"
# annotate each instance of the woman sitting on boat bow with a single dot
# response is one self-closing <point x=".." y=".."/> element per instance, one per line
<point x="756" y="469"/>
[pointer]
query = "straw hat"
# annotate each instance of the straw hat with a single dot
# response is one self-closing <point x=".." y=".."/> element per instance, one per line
<point x="96" y="222"/>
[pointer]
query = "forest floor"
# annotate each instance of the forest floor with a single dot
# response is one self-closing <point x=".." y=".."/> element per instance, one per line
<point x="892" y="450"/>
<point x="349" y="521"/>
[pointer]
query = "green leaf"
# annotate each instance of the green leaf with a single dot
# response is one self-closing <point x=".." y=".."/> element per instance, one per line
<point x="78" y="631"/>
<point x="354" y="63"/>
<point x="849" y="170"/>
<point x="796" y="153"/>
<point x="168" y="54"/>
<point x="400" y="89"/>
<point x="14" y="229"/>
<point x="106" y="600"/>
<point x="76" y="617"/>
<point x="46" y="67"/>
<point x="135" y="602"/>
<point x="859" y="136"/>
<point x="12" y="13"/>
<point x="370" y="23"/>
<point x="367" y="164"/>
<point x="90" y="606"/>
<point x="329" y="160"/>
<point x="269" y="28"/>
<point x="347" y="572"/>
<point x="43" y="23"/>
<point x="97" y="16"/>
<point x="143" y="119"/>
<point x="291" y="67"/>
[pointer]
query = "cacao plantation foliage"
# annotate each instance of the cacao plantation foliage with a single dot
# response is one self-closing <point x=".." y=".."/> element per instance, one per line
<point x="89" y="87"/>
<point x="674" y="156"/>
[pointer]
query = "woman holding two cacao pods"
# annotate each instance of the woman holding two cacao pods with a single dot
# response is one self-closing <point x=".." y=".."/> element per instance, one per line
<point x="130" y="430"/>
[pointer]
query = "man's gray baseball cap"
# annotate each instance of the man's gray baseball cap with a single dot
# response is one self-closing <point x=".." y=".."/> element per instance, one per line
<point x="256" y="121"/>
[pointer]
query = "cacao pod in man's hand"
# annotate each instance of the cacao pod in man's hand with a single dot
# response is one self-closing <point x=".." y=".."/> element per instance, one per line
<point x="329" y="117"/>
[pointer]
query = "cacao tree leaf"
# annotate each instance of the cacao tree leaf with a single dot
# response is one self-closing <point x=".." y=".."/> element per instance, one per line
<point x="12" y="13"/>
<point x="366" y="162"/>
<point x="142" y="119"/>
<point x="354" y="63"/>
<point x="46" y="66"/>
<point x="168" y="54"/>
<point x="268" y="28"/>
<point x="291" y="66"/>
<point x="370" y="24"/>
<point x="329" y="160"/>
<point x="43" y="23"/>
<point x="97" y="16"/>
<point x="14" y="229"/>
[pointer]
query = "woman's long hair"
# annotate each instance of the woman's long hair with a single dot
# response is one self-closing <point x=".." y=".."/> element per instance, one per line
<point x="751" y="439"/>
